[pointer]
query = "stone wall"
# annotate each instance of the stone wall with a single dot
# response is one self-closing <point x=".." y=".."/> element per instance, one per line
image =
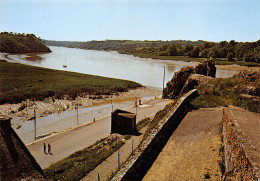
<point x="144" y="156"/>
<point x="17" y="163"/>
<point x="237" y="164"/>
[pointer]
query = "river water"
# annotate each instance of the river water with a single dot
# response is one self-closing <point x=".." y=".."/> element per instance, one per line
<point x="145" y="71"/>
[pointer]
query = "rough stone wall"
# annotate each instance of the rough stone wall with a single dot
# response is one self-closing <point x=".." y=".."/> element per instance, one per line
<point x="143" y="158"/>
<point x="237" y="164"/>
<point x="176" y="85"/>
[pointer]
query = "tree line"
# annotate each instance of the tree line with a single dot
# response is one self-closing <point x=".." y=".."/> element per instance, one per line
<point x="232" y="50"/>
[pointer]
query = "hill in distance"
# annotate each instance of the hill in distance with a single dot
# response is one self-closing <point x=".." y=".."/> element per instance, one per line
<point x="21" y="43"/>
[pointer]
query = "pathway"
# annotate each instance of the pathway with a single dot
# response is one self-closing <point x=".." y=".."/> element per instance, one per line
<point x="66" y="143"/>
<point x="192" y="150"/>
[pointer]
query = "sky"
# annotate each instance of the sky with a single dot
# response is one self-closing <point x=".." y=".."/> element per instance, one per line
<point x="84" y="20"/>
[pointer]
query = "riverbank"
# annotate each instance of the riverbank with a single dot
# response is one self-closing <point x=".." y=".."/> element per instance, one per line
<point x="183" y="50"/>
<point x="25" y="109"/>
<point x="20" y="82"/>
<point x="218" y="61"/>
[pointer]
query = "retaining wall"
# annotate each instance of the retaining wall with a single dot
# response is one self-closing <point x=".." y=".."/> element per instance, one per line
<point x="142" y="159"/>
<point x="237" y="163"/>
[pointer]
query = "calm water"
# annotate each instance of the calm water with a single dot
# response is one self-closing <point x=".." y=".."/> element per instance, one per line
<point x="148" y="72"/>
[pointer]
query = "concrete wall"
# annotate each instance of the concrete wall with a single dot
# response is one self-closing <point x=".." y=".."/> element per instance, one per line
<point x="143" y="158"/>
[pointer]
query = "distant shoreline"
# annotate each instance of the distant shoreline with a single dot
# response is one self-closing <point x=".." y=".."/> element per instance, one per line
<point x="158" y="49"/>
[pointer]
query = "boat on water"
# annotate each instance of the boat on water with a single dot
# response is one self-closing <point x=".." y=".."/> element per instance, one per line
<point x="65" y="65"/>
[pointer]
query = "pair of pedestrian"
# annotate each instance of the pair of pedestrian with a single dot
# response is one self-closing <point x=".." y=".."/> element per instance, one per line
<point x="49" y="148"/>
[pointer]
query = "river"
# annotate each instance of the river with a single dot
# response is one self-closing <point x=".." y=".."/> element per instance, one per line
<point x="145" y="71"/>
<point x="148" y="72"/>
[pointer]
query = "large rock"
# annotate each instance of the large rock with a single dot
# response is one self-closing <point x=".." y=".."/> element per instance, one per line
<point x="178" y="84"/>
<point x="207" y="68"/>
<point x="252" y="78"/>
<point x="193" y="81"/>
<point x="175" y="85"/>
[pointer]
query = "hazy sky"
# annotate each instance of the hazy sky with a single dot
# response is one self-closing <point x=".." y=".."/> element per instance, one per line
<point x="82" y="20"/>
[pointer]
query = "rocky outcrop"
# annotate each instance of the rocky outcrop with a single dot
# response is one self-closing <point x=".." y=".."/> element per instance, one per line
<point x="252" y="86"/>
<point x="206" y="68"/>
<point x="182" y="80"/>
<point x="193" y="81"/>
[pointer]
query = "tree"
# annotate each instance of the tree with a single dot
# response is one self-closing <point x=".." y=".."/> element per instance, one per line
<point x="213" y="52"/>
<point x="232" y="43"/>
<point x="180" y="52"/>
<point x="223" y="52"/>
<point x="204" y="53"/>
<point x="195" y="52"/>
<point x="206" y="45"/>
<point x="249" y="57"/>
<point x="172" y="50"/>
<point x="241" y="49"/>
<point x="188" y="48"/>
<point x="163" y="47"/>
<point x="222" y="44"/>
<point x="230" y="56"/>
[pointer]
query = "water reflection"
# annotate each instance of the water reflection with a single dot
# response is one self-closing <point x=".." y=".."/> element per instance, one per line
<point x="148" y="72"/>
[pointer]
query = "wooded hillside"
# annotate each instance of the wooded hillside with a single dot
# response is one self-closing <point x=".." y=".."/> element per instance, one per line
<point x="21" y="43"/>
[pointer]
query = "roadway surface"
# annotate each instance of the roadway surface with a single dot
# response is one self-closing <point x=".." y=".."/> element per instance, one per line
<point x="66" y="143"/>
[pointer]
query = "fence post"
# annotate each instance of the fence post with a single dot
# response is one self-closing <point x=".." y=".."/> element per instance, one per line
<point x="132" y="146"/>
<point x="118" y="161"/>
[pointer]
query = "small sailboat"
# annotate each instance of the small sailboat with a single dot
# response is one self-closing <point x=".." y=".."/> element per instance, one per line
<point x="65" y="65"/>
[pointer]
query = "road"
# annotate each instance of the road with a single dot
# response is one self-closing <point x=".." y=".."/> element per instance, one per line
<point x="66" y="143"/>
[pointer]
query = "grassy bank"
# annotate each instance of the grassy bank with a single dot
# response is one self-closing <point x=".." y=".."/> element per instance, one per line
<point x="218" y="61"/>
<point x="20" y="82"/>
<point x="80" y="163"/>
<point x="229" y="91"/>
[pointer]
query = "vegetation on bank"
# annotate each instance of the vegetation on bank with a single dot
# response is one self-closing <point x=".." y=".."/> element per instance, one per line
<point x="230" y="91"/>
<point x="20" y="82"/>
<point x="21" y="43"/>
<point x="80" y="163"/>
<point x="232" y="52"/>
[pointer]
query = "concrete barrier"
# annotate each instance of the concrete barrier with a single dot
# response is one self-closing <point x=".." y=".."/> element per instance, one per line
<point x="142" y="159"/>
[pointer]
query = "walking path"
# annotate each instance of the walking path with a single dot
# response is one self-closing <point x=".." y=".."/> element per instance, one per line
<point x="192" y="151"/>
<point x="66" y="143"/>
<point x="111" y="163"/>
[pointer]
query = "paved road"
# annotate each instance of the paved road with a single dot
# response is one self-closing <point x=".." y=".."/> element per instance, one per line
<point x="66" y="143"/>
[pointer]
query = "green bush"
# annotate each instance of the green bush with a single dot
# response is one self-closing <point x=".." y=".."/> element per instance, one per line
<point x="224" y="92"/>
<point x="79" y="164"/>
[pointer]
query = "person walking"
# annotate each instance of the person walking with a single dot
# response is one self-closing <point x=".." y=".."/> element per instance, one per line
<point x="44" y="148"/>
<point x="49" y="148"/>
